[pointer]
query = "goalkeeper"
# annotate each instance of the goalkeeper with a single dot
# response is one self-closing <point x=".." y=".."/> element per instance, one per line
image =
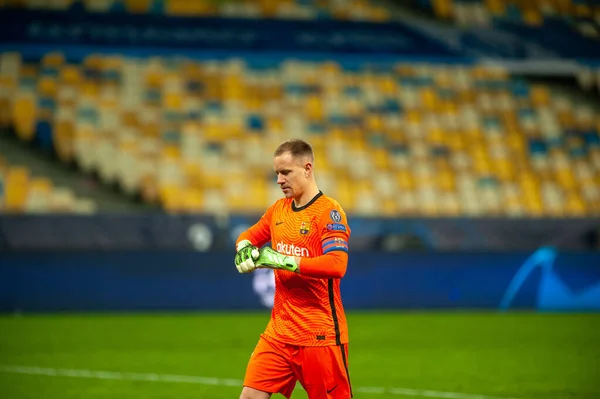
<point x="306" y="338"/>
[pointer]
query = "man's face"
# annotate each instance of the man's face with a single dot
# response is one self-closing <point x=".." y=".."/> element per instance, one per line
<point x="290" y="175"/>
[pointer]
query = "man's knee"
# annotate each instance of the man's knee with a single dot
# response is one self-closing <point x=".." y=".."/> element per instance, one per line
<point x="251" y="393"/>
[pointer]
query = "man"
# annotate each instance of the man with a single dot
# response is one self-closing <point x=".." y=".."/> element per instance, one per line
<point x="306" y="339"/>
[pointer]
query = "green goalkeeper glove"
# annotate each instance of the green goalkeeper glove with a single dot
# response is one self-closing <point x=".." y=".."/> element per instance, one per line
<point x="245" y="256"/>
<point x="272" y="259"/>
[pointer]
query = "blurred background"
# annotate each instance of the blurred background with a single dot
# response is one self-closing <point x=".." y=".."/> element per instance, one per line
<point x="462" y="138"/>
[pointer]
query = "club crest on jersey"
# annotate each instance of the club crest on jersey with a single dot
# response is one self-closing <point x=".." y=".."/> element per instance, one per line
<point x="335" y="215"/>
<point x="304" y="228"/>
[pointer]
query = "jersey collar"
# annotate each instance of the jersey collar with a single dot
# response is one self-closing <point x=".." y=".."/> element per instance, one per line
<point x="296" y="209"/>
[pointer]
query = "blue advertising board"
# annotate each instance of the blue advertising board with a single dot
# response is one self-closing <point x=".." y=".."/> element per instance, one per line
<point x="167" y="280"/>
<point x="158" y="231"/>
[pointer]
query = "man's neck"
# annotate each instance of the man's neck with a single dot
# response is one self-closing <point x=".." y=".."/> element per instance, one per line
<point x="306" y="196"/>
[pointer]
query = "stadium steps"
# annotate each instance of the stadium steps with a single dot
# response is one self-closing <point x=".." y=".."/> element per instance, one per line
<point x="40" y="164"/>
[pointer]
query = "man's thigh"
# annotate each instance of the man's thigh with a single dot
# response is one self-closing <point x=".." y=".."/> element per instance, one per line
<point x="324" y="372"/>
<point x="269" y="369"/>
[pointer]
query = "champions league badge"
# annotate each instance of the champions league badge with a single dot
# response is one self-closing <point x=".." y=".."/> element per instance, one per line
<point x="335" y="215"/>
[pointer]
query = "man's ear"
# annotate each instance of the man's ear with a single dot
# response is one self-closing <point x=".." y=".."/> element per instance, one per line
<point x="308" y="167"/>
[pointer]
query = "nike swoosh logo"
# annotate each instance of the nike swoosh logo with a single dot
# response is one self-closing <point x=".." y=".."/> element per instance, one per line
<point x="278" y="223"/>
<point x="329" y="390"/>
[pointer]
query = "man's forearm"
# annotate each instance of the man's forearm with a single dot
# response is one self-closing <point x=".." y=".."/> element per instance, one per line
<point x="332" y="265"/>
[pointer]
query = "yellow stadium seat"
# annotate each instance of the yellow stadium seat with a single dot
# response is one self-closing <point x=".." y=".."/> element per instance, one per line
<point x="533" y="17"/>
<point x="388" y="86"/>
<point x="505" y="169"/>
<point x="47" y="87"/>
<point x="496" y="7"/>
<point x="193" y="175"/>
<point x="374" y="123"/>
<point x="405" y="180"/>
<point x="149" y="189"/>
<point x="389" y="207"/>
<point x="41" y="184"/>
<point x="566" y="179"/>
<point x="534" y="207"/>
<point x="443" y="8"/>
<point x="413" y="116"/>
<point x="192" y="200"/>
<point x="24" y="113"/>
<point x="575" y="205"/>
<point x="482" y="166"/>
<point x="70" y="74"/>
<point x="566" y="118"/>
<point x="171" y="198"/>
<point x="62" y="200"/>
<point x="380" y="158"/>
<point x="84" y="206"/>
<point x="138" y="6"/>
<point x="5" y="110"/>
<point x="29" y="71"/>
<point x="455" y="141"/>
<point x="446" y="181"/>
<point x="39" y="195"/>
<point x="17" y="187"/>
<point x="54" y="59"/>
<point x="63" y="134"/>
<point x="93" y="61"/>
<point x="380" y="14"/>
<point x="212" y="180"/>
<point x="89" y="89"/>
<point x="540" y="95"/>
<point x="429" y="98"/>
<point x="173" y="101"/>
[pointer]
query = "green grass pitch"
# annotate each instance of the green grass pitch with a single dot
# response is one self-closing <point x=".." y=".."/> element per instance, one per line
<point x="455" y="355"/>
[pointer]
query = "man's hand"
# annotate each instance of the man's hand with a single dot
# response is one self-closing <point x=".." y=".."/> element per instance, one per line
<point x="245" y="257"/>
<point x="271" y="259"/>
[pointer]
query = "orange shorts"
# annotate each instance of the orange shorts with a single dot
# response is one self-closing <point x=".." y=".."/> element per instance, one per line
<point x="275" y="367"/>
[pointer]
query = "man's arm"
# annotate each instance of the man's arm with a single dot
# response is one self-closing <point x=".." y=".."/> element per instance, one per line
<point x="249" y="241"/>
<point x="332" y="265"/>
<point x="334" y="261"/>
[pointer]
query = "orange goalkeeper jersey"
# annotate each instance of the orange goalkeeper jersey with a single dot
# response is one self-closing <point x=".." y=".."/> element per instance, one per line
<point x="308" y="310"/>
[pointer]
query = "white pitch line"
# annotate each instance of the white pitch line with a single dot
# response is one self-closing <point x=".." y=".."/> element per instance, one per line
<point x="126" y="376"/>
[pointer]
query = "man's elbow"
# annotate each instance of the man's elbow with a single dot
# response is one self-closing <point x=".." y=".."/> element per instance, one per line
<point x="340" y="267"/>
<point x="339" y="272"/>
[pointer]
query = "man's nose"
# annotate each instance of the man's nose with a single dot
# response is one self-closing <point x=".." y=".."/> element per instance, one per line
<point x="280" y="179"/>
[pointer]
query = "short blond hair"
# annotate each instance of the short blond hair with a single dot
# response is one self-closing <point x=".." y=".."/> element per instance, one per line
<point x="297" y="148"/>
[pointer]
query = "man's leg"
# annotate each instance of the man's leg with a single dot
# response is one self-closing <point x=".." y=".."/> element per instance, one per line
<point x="324" y="372"/>
<point x="251" y="393"/>
<point x="269" y="371"/>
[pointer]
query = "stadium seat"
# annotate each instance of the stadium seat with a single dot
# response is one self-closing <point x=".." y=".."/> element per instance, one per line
<point x="20" y="192"/>
<point x="444" y="136"/>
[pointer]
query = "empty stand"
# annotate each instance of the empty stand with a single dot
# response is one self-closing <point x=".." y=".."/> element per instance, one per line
<point x="20" y="192"/>
<point x="584" y="13"/>
<point x="402" y="139"/>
